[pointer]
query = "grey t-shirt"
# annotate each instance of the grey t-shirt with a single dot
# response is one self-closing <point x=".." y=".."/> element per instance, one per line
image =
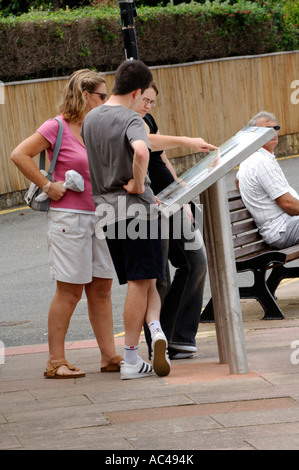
<point x="108" y="132"/>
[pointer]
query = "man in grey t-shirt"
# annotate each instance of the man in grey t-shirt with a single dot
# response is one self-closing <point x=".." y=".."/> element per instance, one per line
<point x="118" y="155"/>
<point x="114" y="155"/>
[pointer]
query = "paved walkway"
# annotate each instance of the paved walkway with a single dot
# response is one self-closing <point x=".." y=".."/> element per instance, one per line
<point x="198" y="406"/>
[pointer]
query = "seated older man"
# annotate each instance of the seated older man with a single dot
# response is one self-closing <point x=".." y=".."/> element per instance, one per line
<point x="266" y="193"/>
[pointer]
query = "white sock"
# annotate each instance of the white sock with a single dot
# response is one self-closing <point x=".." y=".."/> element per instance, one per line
<point x="154" y="325"/>
<point x="130" y="354"/>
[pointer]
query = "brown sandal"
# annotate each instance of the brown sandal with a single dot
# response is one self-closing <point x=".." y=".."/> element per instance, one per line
<point x="52" y="373"/>
<point x="113" y="365"/>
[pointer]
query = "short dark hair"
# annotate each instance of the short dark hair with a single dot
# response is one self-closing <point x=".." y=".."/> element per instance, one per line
<point x="130" y="76"/>
<point x="154" y="87"/>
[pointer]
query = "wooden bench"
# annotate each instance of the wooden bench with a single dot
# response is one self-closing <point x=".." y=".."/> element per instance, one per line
<point x="253" y="254"/>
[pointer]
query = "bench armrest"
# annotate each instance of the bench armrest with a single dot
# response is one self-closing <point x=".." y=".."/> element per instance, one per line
<point x="262" y="261"/>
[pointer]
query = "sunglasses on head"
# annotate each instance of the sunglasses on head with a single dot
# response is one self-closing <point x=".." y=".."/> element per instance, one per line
<point x="276" y="128"/>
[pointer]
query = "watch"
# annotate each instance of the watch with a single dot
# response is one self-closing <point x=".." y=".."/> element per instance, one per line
<point x="46" y="187"/>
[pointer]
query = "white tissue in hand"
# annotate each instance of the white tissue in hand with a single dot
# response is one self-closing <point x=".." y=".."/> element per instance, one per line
<point x="73" y="181"/>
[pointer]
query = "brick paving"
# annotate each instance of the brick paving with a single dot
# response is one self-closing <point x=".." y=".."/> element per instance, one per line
<point x="199" y="406"/>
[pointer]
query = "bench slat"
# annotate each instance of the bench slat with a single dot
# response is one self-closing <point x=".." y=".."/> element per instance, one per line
<point x="250" y="251"/>
<point x="292" y="253"/>
<point x="236" y="204"/>
<point x="243" y="227"/>
<point x="235" y="193"/>
<point x="239" y="216"/>
<point x="245" y="240"/>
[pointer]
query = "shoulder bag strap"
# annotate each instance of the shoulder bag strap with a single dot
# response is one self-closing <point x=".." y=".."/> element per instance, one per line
<point x="42" y="158"/>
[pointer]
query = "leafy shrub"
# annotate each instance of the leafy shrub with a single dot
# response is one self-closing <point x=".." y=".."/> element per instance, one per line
<point x="17" y="7"/>
<point x="54" y="43"/>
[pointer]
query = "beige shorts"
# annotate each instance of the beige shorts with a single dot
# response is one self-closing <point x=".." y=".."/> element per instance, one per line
<point x="76" y="254"/>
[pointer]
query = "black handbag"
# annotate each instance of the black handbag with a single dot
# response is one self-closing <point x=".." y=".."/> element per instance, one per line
<point x="34" y="190"/>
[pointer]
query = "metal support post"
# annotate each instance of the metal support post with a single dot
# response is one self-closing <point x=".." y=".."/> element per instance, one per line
<point x="223" y="279"/>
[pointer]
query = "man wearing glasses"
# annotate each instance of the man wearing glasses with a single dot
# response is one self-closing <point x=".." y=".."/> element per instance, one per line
<point x="266" y="193"/>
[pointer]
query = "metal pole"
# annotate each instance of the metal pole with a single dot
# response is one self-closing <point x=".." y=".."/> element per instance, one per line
<point x="127" y="13"/>
<point x="215" y="281"/>
<point x="223" y="279"/>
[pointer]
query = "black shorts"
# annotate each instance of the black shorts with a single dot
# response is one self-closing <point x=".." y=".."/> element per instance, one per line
<point x="135" y="258"/>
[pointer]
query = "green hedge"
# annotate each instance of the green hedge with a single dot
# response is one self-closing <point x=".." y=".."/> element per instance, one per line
<point x="17" y="7"/>
<point x="47" y="44"/>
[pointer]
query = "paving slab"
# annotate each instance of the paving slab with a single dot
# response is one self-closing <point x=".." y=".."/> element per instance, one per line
<point x="199" y="406"/>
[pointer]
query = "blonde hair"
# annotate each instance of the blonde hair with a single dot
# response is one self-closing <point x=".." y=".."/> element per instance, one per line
<point x="73" y="105"/>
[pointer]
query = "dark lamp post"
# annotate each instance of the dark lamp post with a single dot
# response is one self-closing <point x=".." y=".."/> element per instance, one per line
<point x="127" y="13"/>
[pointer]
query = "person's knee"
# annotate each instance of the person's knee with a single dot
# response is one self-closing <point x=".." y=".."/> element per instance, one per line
<point x="70" y="293"/>
<point x="99" y="289"/>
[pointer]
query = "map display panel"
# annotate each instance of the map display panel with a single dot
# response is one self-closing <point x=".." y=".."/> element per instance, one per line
<point x="212" y="167"/>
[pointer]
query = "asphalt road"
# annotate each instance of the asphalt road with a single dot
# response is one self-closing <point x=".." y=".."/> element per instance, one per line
<point x="26" y="289"/>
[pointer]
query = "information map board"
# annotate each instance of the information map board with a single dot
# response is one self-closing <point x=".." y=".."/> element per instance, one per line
<point x="212" y="167"/>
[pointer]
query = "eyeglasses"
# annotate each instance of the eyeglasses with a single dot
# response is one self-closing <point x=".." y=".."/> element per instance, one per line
<point x="102" y="95"/>
<point x="276" y="128"/>
<point x="152" y="103"/>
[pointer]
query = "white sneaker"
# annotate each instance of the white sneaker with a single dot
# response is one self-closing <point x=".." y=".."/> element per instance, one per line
<point x="160" y="359"/>
<point x="136" y="371"/>
<point x="181" y="355"/>
<point x="183" y="348"/>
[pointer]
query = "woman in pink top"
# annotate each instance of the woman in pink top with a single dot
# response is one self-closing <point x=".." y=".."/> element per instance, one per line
<point x="78" y="259"/>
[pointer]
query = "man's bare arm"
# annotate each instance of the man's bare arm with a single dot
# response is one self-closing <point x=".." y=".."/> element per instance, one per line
<point x="288" y="203"/>
<point x="166" y="142"/>
<point x="140" y="165"/>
